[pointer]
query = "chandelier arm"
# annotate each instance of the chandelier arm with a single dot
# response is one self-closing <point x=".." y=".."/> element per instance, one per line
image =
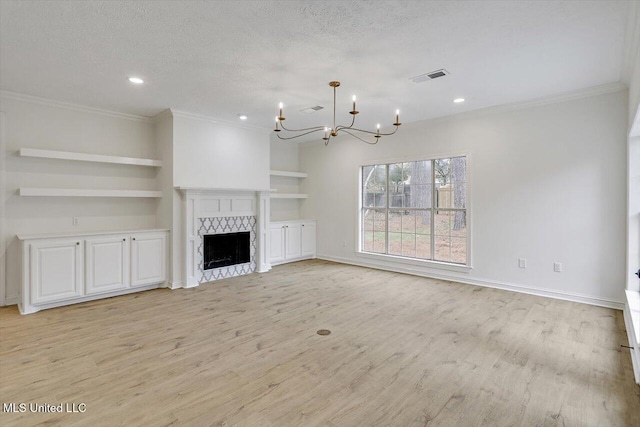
<point x="363" y="140"/>
<point x="374" y="133"/>
<point x="297" y="136"/>
<point x="315" y="128"/>
<point x="339" y="127"/>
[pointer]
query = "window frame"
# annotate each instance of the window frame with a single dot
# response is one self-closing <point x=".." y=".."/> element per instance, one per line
<point x="410" y="261"/>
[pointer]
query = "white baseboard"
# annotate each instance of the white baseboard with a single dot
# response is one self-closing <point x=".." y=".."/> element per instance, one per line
<point x="567" y="296"/>
<point x="11" y="300"/>
<point x="175" y="285"/>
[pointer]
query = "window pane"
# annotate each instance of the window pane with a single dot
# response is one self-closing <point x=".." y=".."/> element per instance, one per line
<point x="443" y="171"/>
<point x="459" y="224"/>
<point x="409" y="245"/>
<point x="409" y="222"/>
<point x="379" y="227"/>
<point x="379" y="220"/>
<point x="395" y="244"/>
<point x="442" y="222"/>
<point x="459" y="182"/>
<point x="398" y="178"/>
<point x="443" y="248"/>
<point x="444" y="196"/>
<point x="423" y="222"/>
<point x="459" y="250"/>
<point x="367" y="219"/>
<point x="367" y="241"/>
<point x="423" y="246"/>
<point x="379" y="242"/>
<point x="450" y="240"/>
<point x="418" y="193"/>
<point x="395" y="221"/>
<point x="374" y="186"/>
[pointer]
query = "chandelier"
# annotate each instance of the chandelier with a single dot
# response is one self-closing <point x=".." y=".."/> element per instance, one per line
<point x="330" y="132"/>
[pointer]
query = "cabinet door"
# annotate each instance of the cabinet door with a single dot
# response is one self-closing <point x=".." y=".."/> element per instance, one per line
<point x="148" y="259"/>
<point x="276" y="246"/>
<point x="292" y="237"/>
<point x="308" y="240"/>
<point x="107" y="264"/>
<point x="56" y="271"/>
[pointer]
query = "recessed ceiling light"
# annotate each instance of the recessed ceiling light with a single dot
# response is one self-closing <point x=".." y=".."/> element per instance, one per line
<point x="242" y="116"/>
<point x="136" y="80"/>
<point x="458" y="100"/>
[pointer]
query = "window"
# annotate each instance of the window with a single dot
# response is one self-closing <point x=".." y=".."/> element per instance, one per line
<point x="416" y="210"/>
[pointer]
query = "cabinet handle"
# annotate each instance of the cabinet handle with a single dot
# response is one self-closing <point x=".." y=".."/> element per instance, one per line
<point x="77" y="243"/>
<point x="303" y="225"/>
<point x="124" y="240"/>
<point x="133" y="238"/>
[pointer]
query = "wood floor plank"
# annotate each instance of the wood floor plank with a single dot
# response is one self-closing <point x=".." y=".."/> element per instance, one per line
<point x="403" y="351"/>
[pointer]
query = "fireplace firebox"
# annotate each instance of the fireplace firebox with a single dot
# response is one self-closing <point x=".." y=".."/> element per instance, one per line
<point x="222" y="250"/>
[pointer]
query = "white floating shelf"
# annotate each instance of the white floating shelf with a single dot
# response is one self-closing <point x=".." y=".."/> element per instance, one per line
<point x="70" y="192"/>
<point x="83" y="157"/>
<point x="288" y="174"/>
<point x="288" y="196"/>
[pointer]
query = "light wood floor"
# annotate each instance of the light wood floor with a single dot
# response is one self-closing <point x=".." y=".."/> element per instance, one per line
<point x="404" y="351"/>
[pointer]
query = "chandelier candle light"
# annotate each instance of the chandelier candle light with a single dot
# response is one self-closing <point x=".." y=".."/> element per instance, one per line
<point x="330" y="132"/>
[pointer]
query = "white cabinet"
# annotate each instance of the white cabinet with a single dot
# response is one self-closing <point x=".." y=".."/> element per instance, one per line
<point x="308" y="240"/>
<point x="106" y="263"/>
<point x="67" y="269"/>
<point x="292" y="241"/>
<point x="55" y="270"/>
<point x="276" y="243"/>
<point x="148" y="255"/>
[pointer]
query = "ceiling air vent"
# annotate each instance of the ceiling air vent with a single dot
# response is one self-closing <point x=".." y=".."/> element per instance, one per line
<point x="312" y="109"/>
<point x="430" y="76"/>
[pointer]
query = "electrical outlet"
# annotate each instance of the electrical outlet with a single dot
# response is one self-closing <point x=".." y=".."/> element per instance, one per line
<point x="522" y="262"/>
<point x="557" y="267"/>
<point x="75" y="221"/>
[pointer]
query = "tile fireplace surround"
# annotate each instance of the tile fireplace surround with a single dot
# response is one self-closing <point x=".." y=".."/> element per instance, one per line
<point x="213" y="211"/>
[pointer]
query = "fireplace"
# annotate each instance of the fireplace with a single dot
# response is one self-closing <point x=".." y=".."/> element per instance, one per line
<point x="223" y="250"/>
<point x="207" y="212"/>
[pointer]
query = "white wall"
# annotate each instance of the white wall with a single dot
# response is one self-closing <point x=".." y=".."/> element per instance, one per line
<point x="212" y="155"/>
<point x="34" y="123"/>
<point x="547" y="184"/>
<point x="284" y="157"/>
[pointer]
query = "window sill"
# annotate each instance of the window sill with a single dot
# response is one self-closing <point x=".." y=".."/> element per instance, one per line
<point x="415" y="262"/>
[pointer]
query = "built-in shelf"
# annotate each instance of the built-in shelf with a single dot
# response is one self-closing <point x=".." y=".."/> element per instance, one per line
<point x="288" y="196"/>
<point x="288" y="174"/>
<point x="84" y="157"/>
<point x="70" y="192"/>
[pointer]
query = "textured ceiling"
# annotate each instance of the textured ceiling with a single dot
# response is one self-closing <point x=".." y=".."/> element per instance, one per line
<point x="222" y="58"/>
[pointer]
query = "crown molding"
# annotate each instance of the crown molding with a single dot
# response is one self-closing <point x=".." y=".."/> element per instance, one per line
<point x="162" y="115"/>
<point x="536" y="102"/>
<point x="69" y="106"/>
<point x="187" y="115"/>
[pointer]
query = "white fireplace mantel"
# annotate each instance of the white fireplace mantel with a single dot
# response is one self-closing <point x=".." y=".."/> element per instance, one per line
<point x="221" y="202"/>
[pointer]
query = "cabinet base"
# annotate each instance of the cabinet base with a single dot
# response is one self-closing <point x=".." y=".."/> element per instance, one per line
<point x="30" y="309"/>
